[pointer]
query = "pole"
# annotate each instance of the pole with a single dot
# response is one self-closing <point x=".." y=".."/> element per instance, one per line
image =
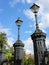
<point x="18" y="32"/>
<point x="36" y="21"/>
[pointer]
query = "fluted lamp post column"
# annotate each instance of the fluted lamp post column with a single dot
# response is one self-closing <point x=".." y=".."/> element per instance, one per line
<point x="18" y="46"/>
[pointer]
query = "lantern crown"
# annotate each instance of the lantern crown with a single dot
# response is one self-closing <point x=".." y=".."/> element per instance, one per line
<point x="35" y="8"/>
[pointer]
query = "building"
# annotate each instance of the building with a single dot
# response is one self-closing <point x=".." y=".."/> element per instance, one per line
<point x="29" y="56"/>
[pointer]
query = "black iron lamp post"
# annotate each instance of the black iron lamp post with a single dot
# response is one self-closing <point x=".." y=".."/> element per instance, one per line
<point x="18" y="46"/>
<point x="35" y="9"/>
<point x="38" y="38"/>
<point x="19" y="22"/>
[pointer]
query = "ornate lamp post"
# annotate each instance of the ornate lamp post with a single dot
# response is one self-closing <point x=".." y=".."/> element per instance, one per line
<point x="35" y="9"/>
<point x="38" y="38"/>
<point x="19" y="22"/>
<point x="18" y="47"/>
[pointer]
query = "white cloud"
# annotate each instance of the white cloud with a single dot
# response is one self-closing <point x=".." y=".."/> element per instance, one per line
<point x="5" y="30"/>
<point x="29" y="14"/>
<point x="47" y="42"/>
<point x="28" y="46"/>
<point x="13" y="2"/>
<point x="30" y="25"/>
<point x="45" y="3"/>
<point x="23" y="1"/>
<point x="45" y="21"/>
<point x="27" y="51"/>
<point x="28" y="32"/>
<point x="29" y="1"/>
<point x="10" y="41"/>
<point x="8" y="33"/>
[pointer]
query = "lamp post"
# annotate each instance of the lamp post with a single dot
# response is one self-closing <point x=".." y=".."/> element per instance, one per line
<point x="18" y="46"/>
<point x="19" y="22"/>
<point x="35" y="9"/>
<point x="38" y="38"/>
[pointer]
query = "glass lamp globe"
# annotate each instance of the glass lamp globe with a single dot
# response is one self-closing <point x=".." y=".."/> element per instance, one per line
<point x="35" y="8"/>
<point x="19" y="22"/>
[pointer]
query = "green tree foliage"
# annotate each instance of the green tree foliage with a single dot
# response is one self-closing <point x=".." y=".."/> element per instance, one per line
<point x="4" y="45"/>
<point x="10" y="54"/>
<point x="3" y="40"/>
<point x="25" y="61"/>
<point x="30" y="61"/>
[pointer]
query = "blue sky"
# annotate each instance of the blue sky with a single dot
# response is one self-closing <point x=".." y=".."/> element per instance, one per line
<point x="10" y="10"/>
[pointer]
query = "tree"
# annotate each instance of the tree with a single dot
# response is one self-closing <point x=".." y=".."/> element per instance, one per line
<point x="3" y="40"/>
<point x="10" y="55"/>
<point x="25" y="61"/>
<point x="30" y="61"/>
<point x="4" y="45"/>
